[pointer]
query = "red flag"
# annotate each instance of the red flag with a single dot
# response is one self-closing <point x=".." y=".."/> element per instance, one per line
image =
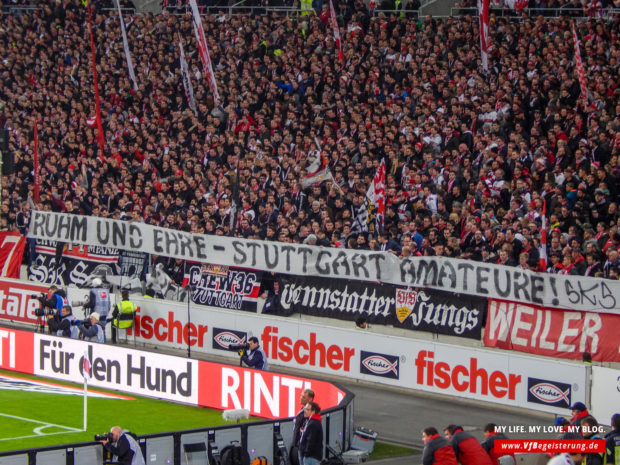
<point x="332" y="13"/>
<point x="100" y="136"/>
<point x="483" y="19"/>
<point x="542" y="250"/>
<point x="12" y="245"/>
<point x="580" y="72"/>
<point x="37" y="179"/>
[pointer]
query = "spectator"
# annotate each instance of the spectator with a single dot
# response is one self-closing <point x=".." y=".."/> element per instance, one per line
<point x="467" y="449"/>
<point x="437" y="450"/>
<point x="488" y="444"/>
<point x="579" y="412"/>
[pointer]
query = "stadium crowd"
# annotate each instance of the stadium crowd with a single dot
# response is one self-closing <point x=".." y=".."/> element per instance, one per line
<point x="472" y="159"/>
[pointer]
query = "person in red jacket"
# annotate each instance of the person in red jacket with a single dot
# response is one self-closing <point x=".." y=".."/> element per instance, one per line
<point x="579" y="411"/>
<point x="437" y="451"/>
<point x="489" y="443"/>
<point x="466" y="447"/>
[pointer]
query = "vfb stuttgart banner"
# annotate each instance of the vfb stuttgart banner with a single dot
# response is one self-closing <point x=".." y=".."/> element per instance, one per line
<point x="224" y="287"/>
<point x="437" y="312"/>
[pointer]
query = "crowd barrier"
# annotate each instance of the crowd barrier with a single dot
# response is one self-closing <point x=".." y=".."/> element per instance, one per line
<point x="194" y="382"/>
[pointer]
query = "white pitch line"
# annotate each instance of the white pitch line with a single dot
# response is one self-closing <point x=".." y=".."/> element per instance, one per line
<point x="38" y="435"/>
<point x="44" y="425"/>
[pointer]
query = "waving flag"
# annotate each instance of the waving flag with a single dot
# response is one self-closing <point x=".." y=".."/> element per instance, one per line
<point x="187" y="83"/>
<point x="332" y="13"/>
<point x="203" y="49"/>
<point x="542" y="250"/>
<point x="371" y="214"/>
<point x="317" y="169"/>
<point x="100" y="136"/>
<point x="580" y="72"/>
<point x="37" y="176"/>
<point x="483" y="19"/>
<point x="132" y="75"/>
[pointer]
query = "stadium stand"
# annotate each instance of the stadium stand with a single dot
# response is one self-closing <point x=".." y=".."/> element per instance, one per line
<point x="471" y="159"/>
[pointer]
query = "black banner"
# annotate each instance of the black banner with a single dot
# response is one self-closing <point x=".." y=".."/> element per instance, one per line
<point x="62" y="264"/>
<point x="430" y="311"/>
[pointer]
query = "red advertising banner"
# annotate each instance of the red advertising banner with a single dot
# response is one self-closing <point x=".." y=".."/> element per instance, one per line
<point x="17" y="302"/>
<point x="264" y="394"/>
<point x="193" y="382"/>
<point x="550" y="332"/>
<point x="11" y="253"/>
<point x="13" y="343"/>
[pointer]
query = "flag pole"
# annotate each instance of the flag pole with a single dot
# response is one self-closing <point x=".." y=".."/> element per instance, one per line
<point x="86" y="373"/>
<point x="85" y="403"/>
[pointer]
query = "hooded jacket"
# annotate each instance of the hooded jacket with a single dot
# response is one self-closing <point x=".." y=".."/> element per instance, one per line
<point x="311" y="442"/>
<point x="438" y="451"/>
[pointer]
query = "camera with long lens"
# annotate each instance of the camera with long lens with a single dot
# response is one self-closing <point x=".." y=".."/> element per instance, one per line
<point x="104" y="437"/>
<point x="85" y="322"/>
<point x="41" y="312"/>
<point x="239" y="347"/>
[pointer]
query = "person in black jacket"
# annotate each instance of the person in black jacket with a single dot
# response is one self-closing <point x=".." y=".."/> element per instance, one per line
<point x="311" y="441"/>
<point x="307" y="395"/>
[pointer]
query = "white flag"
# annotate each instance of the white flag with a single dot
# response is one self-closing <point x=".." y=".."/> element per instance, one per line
<point x="132" y="75"/>
<point x="203" y="49"/>
<point x="187" y="83"/>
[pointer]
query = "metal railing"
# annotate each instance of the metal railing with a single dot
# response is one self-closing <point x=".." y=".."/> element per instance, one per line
<point x="270" y="438"/>
<point x="504" y="11"/>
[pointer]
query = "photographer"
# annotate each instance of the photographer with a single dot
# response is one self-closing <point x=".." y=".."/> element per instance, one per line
<point x="93" y="331"/>
<point x="98" y="300"/>
<point x="63" y="323"/>
<point x="123" y="446"/>
<point x="256" y="357"/>
<point x="51" y="305"/>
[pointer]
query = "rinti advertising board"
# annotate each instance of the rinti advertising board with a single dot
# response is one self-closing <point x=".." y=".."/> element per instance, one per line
<point x="189" y="381"/>
<point x="488" y="375"/>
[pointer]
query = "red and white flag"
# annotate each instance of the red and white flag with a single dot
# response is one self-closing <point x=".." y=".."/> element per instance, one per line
<point x="337" y="37"/>
<point x="376" y="196"/>
<point x="370" y="214"/>
<point x="37" y="178"/>
<point x="132" y="75"/>
<point x="542" y="250"/>
<point x="317" y="169"/>
<point x="483" y="19"/>
<point x="516" y="4"/>
<point x="86" y="366"/>
<point x="92" y="121"/>
<point x="203" y="49"/>
<point x="580" y="72"/>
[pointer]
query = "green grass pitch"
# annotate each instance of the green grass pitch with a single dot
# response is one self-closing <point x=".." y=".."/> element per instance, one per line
<point x="35" y="419"/>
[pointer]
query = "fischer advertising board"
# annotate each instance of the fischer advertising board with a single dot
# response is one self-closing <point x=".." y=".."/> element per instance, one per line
<point x="493" y="376"/>
<point x="605" y="393"/>
<point x="194" y="382"/>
